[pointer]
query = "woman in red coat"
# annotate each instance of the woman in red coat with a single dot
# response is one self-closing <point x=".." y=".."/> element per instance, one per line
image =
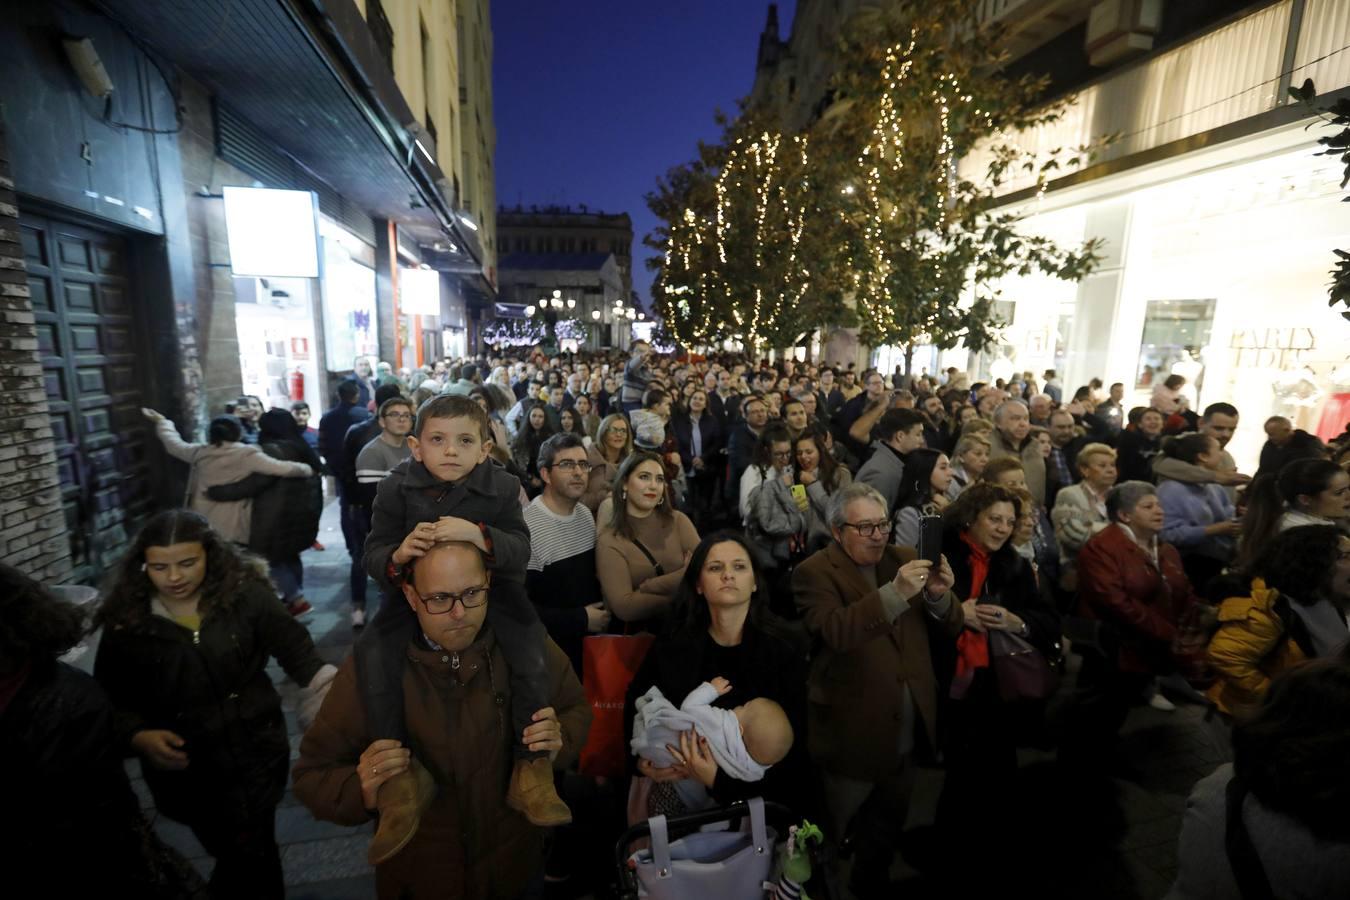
<point x="1133" y="586"/>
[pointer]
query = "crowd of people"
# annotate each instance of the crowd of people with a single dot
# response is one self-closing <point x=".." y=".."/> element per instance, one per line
<point x="845" y="576"/>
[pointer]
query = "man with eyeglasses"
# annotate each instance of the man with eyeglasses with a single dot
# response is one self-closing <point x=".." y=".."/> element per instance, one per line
<point x="868" y="606"/>
<point x="560" y="576"/>
<point x="375" y="460"/>
<point x="455" y="687"/>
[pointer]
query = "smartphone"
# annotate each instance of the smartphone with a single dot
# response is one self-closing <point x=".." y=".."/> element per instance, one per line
<point x="799" y="495"/>
<point x="930" y="539"/>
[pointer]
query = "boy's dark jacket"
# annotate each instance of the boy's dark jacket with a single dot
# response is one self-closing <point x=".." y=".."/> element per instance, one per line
<point x="489" y="496"/>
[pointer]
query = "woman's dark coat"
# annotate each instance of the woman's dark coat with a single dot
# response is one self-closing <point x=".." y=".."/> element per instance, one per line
<point x="211" y="688"/>
<point x="763" y="665"/>
<point x="286" y="511"/>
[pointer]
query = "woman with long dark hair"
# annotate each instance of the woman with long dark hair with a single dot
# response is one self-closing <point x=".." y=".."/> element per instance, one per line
<point x="720" y="627"/>
<point x="1305" y="492"/>
<point x="285" y="517"/>
<point x="525" y="448"/>
<point x="189" y="627"/>
<point x="1290" y="607"/>
<point x="923" y="492"/>
<point x="702" y="451"/>
<point x="822" y="475"/>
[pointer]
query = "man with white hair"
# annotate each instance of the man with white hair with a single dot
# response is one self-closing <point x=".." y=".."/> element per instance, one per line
<point x="871" y="608"/>
<point x="1040" y="406"/>
<point x="1012" y="437"/>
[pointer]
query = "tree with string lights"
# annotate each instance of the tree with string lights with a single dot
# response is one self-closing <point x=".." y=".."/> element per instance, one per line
<point x="920" y="248"/>
<point x="736" y="241"/>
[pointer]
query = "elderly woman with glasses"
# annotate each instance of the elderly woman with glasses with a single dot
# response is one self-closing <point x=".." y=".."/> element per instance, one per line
<point x="871" y="608"/>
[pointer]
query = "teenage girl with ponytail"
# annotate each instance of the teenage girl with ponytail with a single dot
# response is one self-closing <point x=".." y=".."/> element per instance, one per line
<point x="1305" y="492"/>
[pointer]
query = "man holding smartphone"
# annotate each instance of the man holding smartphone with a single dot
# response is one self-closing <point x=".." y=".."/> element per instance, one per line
<point x="867" y="606"/>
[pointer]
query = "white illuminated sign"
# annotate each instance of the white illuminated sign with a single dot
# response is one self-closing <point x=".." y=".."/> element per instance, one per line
<point x="272" y="233"/>
<point x="419" y="292"/>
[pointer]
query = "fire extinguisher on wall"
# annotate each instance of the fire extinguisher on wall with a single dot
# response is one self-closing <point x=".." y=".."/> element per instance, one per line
<point x="297" y="385"/>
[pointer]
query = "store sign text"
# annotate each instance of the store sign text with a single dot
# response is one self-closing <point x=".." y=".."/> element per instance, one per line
<point x="1267" y="348"/>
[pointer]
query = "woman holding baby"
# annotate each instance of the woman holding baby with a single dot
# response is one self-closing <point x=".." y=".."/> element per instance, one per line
<point x="726" y="665"/>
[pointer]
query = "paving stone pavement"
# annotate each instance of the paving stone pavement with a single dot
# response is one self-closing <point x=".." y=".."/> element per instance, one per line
<point x="1121" y="844"/>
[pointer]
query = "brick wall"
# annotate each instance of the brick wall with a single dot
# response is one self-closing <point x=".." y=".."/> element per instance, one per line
<point x="32" y="523"/>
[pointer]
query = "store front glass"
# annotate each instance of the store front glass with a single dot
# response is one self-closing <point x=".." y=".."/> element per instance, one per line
<point x="1219" y="275"/>
<point x="278" y="356"/>
<point x="348" y="298"/>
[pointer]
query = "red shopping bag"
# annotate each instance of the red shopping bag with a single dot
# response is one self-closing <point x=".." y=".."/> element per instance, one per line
<point x="608" y="664"/>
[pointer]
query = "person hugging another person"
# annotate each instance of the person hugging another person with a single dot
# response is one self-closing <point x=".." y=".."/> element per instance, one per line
<point x="451" y="491"/>
<point x="744" y="740"/>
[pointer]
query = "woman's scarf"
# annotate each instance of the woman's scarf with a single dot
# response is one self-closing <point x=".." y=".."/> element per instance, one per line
<point x="972" y="647"/>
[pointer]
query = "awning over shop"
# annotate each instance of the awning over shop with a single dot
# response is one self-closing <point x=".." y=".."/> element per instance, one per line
<point x="307" y="74"/>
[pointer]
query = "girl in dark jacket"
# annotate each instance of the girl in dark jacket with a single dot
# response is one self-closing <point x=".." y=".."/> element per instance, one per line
<point x="999" y="594"/>
<point x="188" y="629"/>
<point x="285" y="517"/>
<point x="525" y="448"/>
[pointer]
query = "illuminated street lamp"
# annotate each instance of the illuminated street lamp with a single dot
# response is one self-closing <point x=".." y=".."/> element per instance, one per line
<point x="571" y="304"/>
<point x="529" y="311"/>
<point x="595" y="314"/>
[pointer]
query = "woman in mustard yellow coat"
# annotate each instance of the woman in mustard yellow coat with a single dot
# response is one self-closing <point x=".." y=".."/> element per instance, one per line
<point x="1294" y="610"/>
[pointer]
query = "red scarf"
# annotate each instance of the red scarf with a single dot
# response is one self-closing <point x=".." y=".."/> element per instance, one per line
<point x="972" y="647"/>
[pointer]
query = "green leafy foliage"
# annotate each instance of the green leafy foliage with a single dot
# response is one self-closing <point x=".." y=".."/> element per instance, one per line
<point x="863" y="219"/>
<point x="1337" y="145"/>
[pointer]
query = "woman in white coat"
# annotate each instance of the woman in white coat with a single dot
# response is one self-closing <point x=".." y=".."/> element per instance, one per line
<point x="223" y="460"/>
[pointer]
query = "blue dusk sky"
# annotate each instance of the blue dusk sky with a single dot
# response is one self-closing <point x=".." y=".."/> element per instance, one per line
<point x="595" y="99"/>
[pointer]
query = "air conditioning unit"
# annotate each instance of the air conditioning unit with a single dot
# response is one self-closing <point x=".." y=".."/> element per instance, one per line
<point x="1118" y="30"/>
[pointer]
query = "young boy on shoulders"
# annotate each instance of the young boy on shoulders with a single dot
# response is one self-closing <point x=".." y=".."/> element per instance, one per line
<point x="451" y="491"/>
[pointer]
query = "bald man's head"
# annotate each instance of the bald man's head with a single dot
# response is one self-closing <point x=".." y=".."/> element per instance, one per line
<point x="449" y="569"/>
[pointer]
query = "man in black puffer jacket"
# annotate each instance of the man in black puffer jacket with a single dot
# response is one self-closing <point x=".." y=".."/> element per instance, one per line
<point x="286" y="511"/>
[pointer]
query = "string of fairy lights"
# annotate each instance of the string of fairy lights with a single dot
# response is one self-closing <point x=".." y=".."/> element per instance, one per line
<point x="769" y="243"/>
<point x="885" y="201"/>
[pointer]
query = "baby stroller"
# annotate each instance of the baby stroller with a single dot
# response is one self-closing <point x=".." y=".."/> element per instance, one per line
<point x="727" y="864"/>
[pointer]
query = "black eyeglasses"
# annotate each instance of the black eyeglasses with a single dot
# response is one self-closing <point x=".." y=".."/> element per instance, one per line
<point x="572" y="465"/>
<point x="398" y="415"/>
<point x="867" y="529"/>
<point x="442" y="603"/>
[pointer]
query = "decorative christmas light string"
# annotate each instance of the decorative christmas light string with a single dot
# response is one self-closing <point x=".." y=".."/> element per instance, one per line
<point x="768" y="242"/>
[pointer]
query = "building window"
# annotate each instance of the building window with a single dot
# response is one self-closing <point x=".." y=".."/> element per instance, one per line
<point x="1175" y="331"/>
<point x="381" y="30"/>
